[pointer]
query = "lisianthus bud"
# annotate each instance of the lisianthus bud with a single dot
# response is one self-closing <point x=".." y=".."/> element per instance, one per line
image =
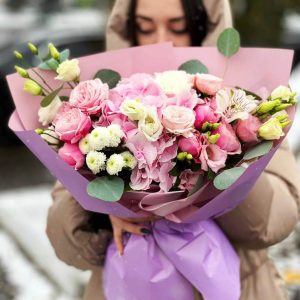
<point x="267" y="106"/>
<point x="282" y="107"/>
<point x="22" y="72"/>
<point x="271" y="130"/>
<point x="34" y="50"/>
<point x="47" y="114"/>
<point x="212" y="139"/>
<point x="68" y="70"/>
<point x="32" y="87"/>
<point x="53" y="51"/>
<point x="18" y="55"/>
<point x="51" y="138"/>
<point x="182" y="156"/>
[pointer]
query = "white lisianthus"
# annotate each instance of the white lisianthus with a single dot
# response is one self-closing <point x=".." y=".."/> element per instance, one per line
<point x="84" y="145"/>
<point x="99" y="138"/>
<point x="115" y="135"/>
<point x="115" y="164"/>
<point x="271" y="130"/>
<point x="47" y="114"/>
<point x="96" y="161"/>
<point x="133" y="109"/>
<point x="68" y="70"/>
<point x="51" y="138"/>
<point x="150" y="125"/>
<point x="174" y="82"/>
<point x="283" y="92"/>
<point x="129" y="159"/>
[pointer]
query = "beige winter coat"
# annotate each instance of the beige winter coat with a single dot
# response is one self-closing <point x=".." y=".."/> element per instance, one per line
<point x="267" y="216"/>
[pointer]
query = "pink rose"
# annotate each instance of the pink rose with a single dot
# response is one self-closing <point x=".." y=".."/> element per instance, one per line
<point x="188" y="179"/>
<point x="228" y="140"/>
<point x="89" y="95"/>
<point x="212" y="156"/>
<point x="72" y="155"/>
<point x="72" y="125"/>
<point x="204" y="113"/>
<point x="208" y="84"/>
<point x="178" y="120"/>
<point x="247" y="129"/>
<point x="190" y="145"/>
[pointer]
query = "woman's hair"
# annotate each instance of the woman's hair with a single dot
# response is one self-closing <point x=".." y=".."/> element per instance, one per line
<point x="196" y="20"/>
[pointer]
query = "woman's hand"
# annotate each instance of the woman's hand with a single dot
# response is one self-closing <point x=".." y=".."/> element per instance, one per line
<point x="121" y="225"/>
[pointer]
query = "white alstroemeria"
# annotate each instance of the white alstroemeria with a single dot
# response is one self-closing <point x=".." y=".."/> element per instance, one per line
<point x="115" y="164"/>
<point x="233" y="104"/>
<point x="174" y="82"/>
<point x="99" y="138"/>
<point x="129" y="159"/>
<point x="47" y="114"/>
<point x="84" y="145"/>
<point x="150" y="125"/>
<point x="96" y="161"/>
<point x="133" y="109"/>
<point x="115" y="135"/>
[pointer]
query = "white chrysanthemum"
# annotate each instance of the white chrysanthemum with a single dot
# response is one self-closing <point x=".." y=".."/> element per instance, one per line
<point x="84" y="145"/>
<point x="115" y="164"/>
<point x="99" y="138"/>
<point x="96" y="161"/>
<point x="174" y="82"/>
<point x="115" y="135"/>
<point x="129" y="159"/>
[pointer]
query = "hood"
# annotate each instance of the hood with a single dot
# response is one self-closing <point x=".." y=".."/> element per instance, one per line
<point x="219" y="18"/>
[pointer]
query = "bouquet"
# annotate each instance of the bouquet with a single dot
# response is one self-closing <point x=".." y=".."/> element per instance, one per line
<point x="143" y="135"/>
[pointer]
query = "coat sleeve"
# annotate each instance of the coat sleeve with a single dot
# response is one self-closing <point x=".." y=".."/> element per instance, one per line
<point x="66" y="224"/>
<point x="270" y="212"/>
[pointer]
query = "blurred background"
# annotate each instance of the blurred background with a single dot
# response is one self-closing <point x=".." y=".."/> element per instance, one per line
<point x="28" y="266"/>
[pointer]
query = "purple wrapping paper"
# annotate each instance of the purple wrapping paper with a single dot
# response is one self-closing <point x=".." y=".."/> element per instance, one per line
<point x="167" y="264"/>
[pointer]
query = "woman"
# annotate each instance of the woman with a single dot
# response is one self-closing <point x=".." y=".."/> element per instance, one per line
<point x="268" y="214"/>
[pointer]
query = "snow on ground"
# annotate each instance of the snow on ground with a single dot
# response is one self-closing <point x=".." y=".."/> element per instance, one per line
<point x="23" y="215"/>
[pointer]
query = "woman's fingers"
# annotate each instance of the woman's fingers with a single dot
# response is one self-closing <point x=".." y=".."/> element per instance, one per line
<point x="120" y="225"/>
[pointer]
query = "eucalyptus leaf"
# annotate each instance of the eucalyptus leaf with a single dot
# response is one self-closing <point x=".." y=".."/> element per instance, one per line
<point x="64" y="98"/>
<point x="107" y="188"/>
<point x="64" y="55"/>
<point x="50" y="97"/>
<point x="193" y="66"/>
<point x="110" y="77"/>
<point x="52" y="64"/>
<point x="229" y="42"/>
<point x="44" y="66"/>
<point x="259" y="150"/>
<point x="225" y="179"/>
<point x="175" y="171"/>
<point x="199" y="184"/>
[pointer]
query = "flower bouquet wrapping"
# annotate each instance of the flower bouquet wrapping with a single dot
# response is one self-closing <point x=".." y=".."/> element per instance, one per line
<point x="181" y="133"/>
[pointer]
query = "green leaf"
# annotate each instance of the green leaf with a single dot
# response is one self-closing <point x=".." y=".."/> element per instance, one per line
<point x="175" y="171"/>
<point x="225" y="179"/>
<point x="107" y="188"/>
<point x="44" y="66"/>
<point x="108" y="76"/>
<point x="52" y="64"/>
<point x="64" y="55"/>
<point x="193" y="66"/>
<point x="64" y="98"/>
<point x="50" y="97"/>
<point x="229" y="42"/>
<point x="199" y="184"/>
<point x="259" y="150"/>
